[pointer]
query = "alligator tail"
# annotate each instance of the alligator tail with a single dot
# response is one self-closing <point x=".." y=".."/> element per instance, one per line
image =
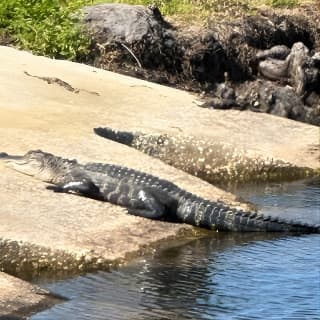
<point x="147" y="143"/>
<point x="220" y="217"/>
<point x="124" y="137"/>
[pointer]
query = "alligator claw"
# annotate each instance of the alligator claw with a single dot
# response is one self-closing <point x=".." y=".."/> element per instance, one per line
<point x="55" y="188"/>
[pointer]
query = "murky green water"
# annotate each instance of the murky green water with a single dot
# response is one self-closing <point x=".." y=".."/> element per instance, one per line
<point x="226" y="276"/>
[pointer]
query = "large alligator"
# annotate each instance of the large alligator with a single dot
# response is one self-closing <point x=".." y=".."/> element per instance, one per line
<point x="144" y="195"/>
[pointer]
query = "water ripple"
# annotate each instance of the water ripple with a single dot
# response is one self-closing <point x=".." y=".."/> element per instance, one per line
<point x="274" y="278"/>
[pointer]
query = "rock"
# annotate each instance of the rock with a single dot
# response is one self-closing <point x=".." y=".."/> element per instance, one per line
<point x="277" y="52"/>
<point x="287" y="104"/>
<point x="225" y="59"/>
<point x="131" y="34"/>
<point x="274" y="69"/>
<point x="122" y="23"/>
<point x="312" y="99"/>
<point x="224" y="98"/>
<point x="284" y="102"/>
<point x="299" y="59"/>
<point x="224" y="91"/>
<point x="294" y="68"/>
<point x="243" y="39"/>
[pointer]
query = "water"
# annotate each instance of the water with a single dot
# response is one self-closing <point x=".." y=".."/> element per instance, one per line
<point x="298" y="200"/>
<point x="224" y="276"/>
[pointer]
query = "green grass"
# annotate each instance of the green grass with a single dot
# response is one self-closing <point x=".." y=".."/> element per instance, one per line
<point x="46" y="27"/>
<point x="206" y="7"/>
<point x="51" y="28"/>
<point x="283" y="3"/>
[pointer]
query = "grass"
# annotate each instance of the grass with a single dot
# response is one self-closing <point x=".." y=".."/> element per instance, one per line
<point x="206" y="7"/>
<point x="51" y="27"/>
<point x="283" y="3"/>
<point x="46" y="27"/>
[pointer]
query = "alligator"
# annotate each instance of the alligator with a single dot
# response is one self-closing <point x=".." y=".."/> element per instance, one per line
<point x="213" y="161"/>
<point x="144" y="195"/>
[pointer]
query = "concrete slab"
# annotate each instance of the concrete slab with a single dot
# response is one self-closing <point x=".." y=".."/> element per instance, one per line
<point x="20" y="299"/>
<point x="42" y="231"/>
<point x="124" y="102"/>
<point x="45" y="232"/>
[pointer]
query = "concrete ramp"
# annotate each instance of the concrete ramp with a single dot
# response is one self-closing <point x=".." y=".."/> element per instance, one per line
<point x="54" y="105"/>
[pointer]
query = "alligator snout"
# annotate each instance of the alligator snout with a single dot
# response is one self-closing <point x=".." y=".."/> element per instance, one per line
<point x="5" y="156"/>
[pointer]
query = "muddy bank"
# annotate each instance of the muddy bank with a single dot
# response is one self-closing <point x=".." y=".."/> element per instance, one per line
<point x="265" y="63"/>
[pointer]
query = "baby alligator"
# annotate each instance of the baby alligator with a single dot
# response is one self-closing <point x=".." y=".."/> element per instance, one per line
<point x="144" y="195"/>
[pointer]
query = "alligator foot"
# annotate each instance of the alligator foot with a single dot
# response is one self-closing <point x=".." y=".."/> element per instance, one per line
<point x="83" y="187"/>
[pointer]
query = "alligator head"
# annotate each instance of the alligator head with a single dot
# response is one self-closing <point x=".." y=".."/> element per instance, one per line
<point x="42" y="165"/>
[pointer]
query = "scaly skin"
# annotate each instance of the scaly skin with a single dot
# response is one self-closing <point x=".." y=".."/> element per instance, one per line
<point x="200" y="212"/>
<point x="144" y="195"/>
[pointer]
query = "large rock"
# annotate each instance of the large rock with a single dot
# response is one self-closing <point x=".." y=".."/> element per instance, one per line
<point x="130" y="34"/>
<point x="123" y="23"/>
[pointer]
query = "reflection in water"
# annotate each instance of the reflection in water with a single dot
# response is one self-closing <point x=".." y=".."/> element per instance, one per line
<point x="226" y="276"/>
<point x="205" y="279"/>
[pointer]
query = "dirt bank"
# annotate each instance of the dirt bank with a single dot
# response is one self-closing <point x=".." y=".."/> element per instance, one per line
<point x="226" y="60"/>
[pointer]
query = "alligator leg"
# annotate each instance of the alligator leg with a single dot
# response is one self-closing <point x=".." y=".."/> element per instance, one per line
<point x="84" y="187"/>
<point x="144" y="204"/>
<point x="149" y="213"/>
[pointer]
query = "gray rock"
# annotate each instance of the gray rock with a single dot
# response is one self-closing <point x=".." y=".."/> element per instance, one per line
<point x="282" y="101"/>
<point x="225" y="91"/>
<point x="122" y="23"/>
<point x="274" y="69"/>
<point x="128" y="36"/>
<point x="299" y="57"/>
<point x="276" y="52"/>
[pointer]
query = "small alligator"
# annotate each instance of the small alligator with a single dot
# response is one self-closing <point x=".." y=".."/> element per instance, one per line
<point x="144" y="195"/>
